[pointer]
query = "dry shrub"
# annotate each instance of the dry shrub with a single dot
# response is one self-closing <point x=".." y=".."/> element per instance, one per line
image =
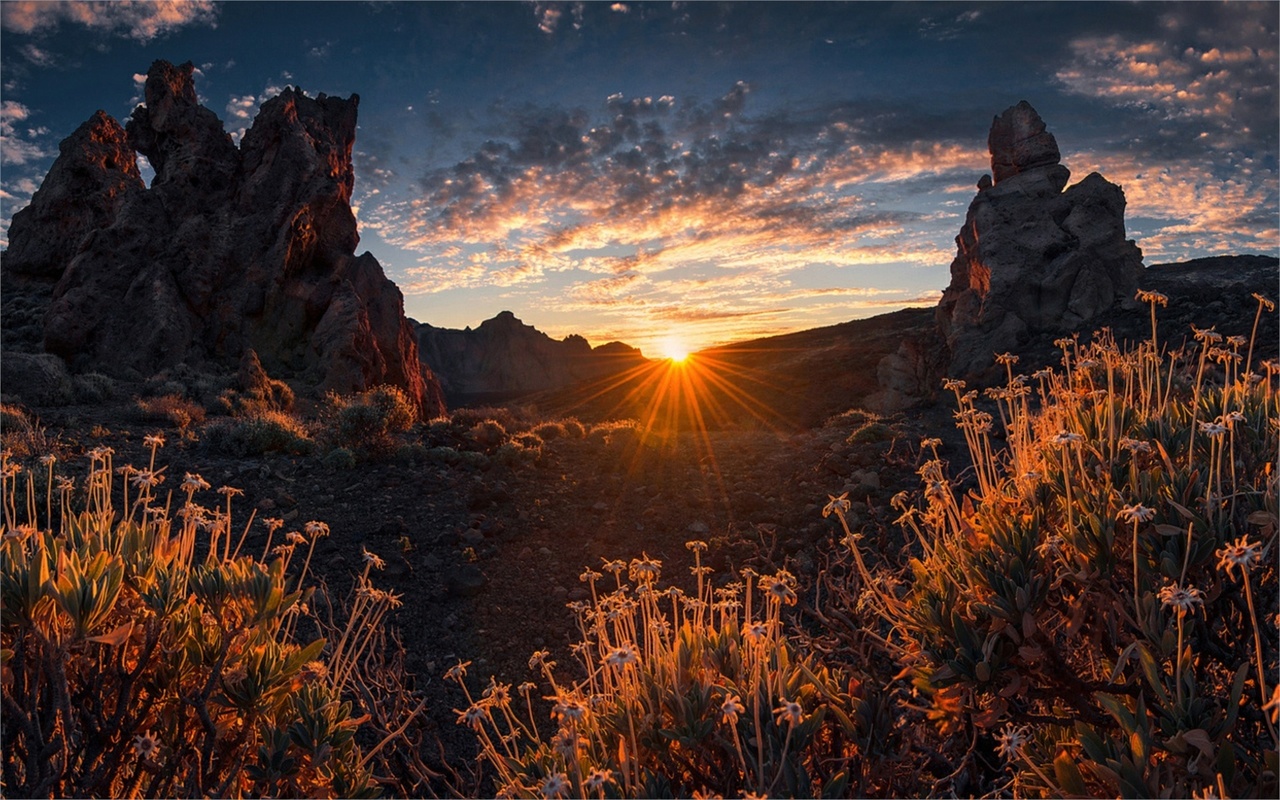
<point x="171" y="409"/>
<point x="260" y="433"/>
<point x="20" y="435"/>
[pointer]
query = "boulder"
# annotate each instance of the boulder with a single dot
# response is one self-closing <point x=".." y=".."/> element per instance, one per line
<point x="38" y="379"/>
<point x="229" y="249"/>
<point x="1034" y="255"/>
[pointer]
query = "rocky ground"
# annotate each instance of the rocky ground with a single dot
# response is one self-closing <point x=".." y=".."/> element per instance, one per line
<point x="486" y="552"/>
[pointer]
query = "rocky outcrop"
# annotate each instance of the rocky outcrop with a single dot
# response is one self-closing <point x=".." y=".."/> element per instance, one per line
<point x="95" y="173"/>
<point x="1034" y="255"/>
<point x="503" y="357"/>
<point x="229" y="249"/>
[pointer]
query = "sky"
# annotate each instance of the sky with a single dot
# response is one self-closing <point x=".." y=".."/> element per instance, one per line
<point x="702" y="172"/>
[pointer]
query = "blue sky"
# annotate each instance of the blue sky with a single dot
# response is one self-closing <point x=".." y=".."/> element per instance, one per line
<point x="707" y="171"/>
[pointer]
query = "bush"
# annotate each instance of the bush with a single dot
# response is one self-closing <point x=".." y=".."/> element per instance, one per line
<point x="367" y="423"/>
<point x="1090" y="610"/>
<point x="258" y="434"/>
<point x="93" y="387"/>
<point x="20" y="435"/>
<point x="488" y="434"/>
<point x="172" y="409"/>
<point x="340" y="458"/>
<point x="166" y="663"/>
<point x="550" y="431"/>
<point x="683" y="696"/>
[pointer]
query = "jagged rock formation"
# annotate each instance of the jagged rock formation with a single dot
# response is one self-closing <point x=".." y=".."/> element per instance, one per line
<point x="503" y="357"/>
<point x="229" y="249"/>
<point x="1032" y="257"/>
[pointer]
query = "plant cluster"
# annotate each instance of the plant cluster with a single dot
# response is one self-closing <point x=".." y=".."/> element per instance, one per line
<point x="682" y="695"/>
<point x="1099" y="606"/>
<point x="147" y="653"/>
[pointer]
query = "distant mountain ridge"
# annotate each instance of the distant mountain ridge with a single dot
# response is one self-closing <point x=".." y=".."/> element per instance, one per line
<point x="503" y="358"/>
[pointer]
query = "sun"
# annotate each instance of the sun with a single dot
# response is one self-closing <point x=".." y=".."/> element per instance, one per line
<point x="675" y="349"/>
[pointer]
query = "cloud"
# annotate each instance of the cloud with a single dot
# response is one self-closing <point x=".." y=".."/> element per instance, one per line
<point x="142" y="20"/>
<point x="37" y="56"/>
<point x="19" y="145"/>
<point x="1217" y="73"/>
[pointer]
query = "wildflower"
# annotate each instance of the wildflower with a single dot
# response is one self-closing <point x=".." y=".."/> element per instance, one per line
<point x="1087" y="363"/>
<point x="569" y="709"/>
<point x="65" y="484"/>
<point x="1156" y="298"/>
<point x="539" y="659"/>
<point x="193" y="483"/>
<point x="696" y="546"/>
<point x="566" y="743"/>
<point x="314" y="671"/>
<point x="146" y="479"/>
<point x="930" y="441"/>
<point x="779" y="590"/>
<point x="1067" y="437"/>
<point x="1264" y="302"/>
<point x="373" y="559"/>
<point x="1012" y="741"/>
<point x="1042" y="374"/>
<point x="457" y="672"/>
<point x="47" y="459"/>
<point x="1006" y="358"/>
<point x="146" y="745"/>
<point x="1180" y="599"/>
<point x="622" y="656"/>
<point x="730" y="709"/>
<point x="614" y="567"/>
<point x="590" y="575"/>
<point x="837" y="505"/>
<point x="473" y="717"/>
<point x="229" y="491"/>
<point x="1134" y="446"/>
<point x="317" y="530"/>
<point x="645" y="570"/>
<point x="293" y="537"/>
<point x="283" y="549"/>
<point x="498" y="693"/>
<point x="1207" y="335"/>
<point x="1237" y="341"/>
<point x="1051" y="546"/>
<point x="1233" y="417"/>
<point x="1213" y="429"/>
<point x="555" y="785"/>
<point x="1136" y="513"/>
<point x="273" y="524"/>
<point x="1240" y="553"/>
<point x="789" y="712"/>
<point x="153" y="440"/>
<point x="597" y="780"/>
<point x="756" y="631"/>
<point x="953" y="384"/>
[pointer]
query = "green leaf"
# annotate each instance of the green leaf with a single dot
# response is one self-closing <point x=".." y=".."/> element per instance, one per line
<point x="1068" y="775"/>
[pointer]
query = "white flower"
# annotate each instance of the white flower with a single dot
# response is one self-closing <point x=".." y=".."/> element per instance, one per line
<point x="789" y="712"/>
<point x="597" y="779"/>
<point x="730" y="709"/>
<point x="1240" y="553"/>
<point x="555" y="785"/>
<point x="837" y="505"/>
<point x="622" y="657"/>
<point x="1182" y="600"/>
<point x="1012" y="741"/>
<point x="1136" y="513"/>
<point x="372" y="559"/>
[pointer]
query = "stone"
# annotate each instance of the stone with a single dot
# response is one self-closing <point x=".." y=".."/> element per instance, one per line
<point x="466" y="580"/>
<point x="1034" y="255"/>
<point x="230" y="248"/>
<point x="38" y="379"/>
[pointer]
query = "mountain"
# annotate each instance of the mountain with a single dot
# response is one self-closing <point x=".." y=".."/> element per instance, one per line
<point x="230" y="248"/>
<point x="503" y="358"/>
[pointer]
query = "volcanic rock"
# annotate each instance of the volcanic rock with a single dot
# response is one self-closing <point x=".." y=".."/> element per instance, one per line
<point x="504" y="358"/>
<point x="38" y="379"/>
<point x="96" y="171"/>
<point x="229" y="249"/>
<point x="1032" y="257"/>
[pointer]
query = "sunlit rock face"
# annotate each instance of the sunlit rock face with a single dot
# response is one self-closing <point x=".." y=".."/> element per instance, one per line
<point x="1034" y="255"/>
<point x="230" y="248"/>
<point x="504" y="357"/>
